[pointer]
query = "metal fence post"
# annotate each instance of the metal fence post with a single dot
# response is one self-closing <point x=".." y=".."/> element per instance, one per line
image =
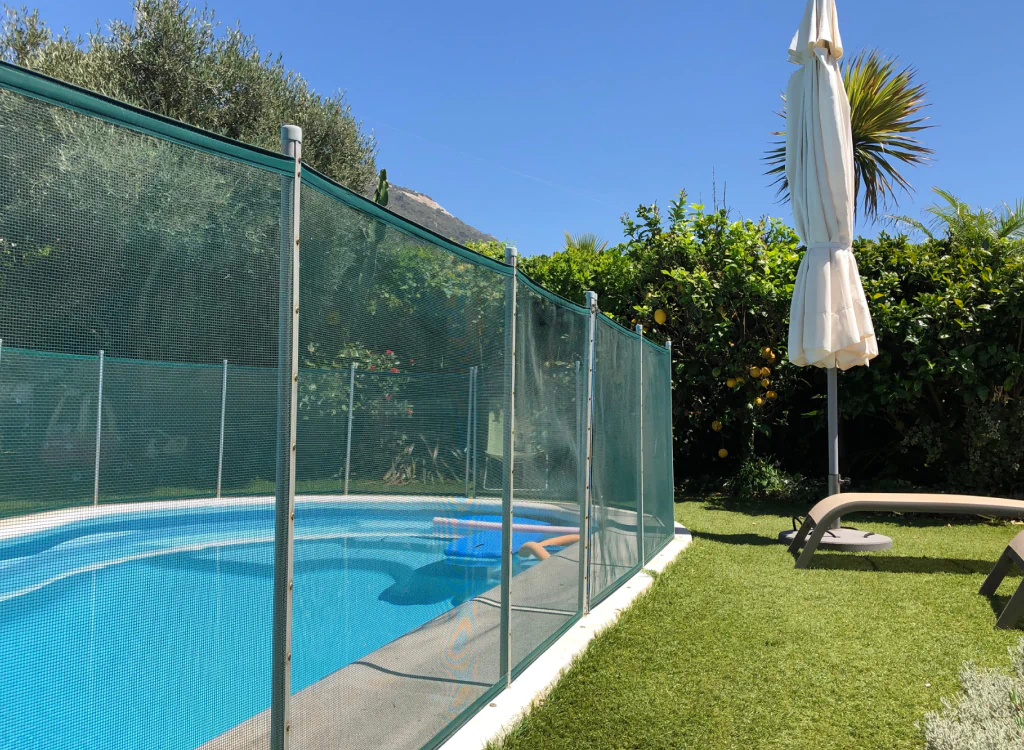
<point x="641" y="523"/>
<point x="99" y="435"/>
<point x="288" y="387"/>
<point x="509" y="460"/>
<point x="351" y="406"/>
<point x="223" y="407"/>
<point x="588" y="474"/>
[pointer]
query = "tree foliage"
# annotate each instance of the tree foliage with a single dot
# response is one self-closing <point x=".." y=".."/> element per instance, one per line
<point x="178" y="61"/>
<point x="942" y="405"/>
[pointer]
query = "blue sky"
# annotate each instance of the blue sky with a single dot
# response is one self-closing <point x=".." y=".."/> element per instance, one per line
<point x="530" y="118"/>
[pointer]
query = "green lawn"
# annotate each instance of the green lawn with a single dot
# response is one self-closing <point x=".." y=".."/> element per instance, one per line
<point x="734" y="648"/>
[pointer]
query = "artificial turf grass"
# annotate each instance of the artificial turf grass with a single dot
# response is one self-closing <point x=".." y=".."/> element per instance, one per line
<point x="734" y="648"/>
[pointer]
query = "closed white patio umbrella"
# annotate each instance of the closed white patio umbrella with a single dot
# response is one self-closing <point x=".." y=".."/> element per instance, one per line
<point x="830" y="325"/>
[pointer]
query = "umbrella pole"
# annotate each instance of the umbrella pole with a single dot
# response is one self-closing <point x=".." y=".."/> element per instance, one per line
<point x="833" y="436"/>
<point x="839" y="538"/>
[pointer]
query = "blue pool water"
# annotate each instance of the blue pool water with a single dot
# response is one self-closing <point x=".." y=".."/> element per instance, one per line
<point x="151" y="630"/>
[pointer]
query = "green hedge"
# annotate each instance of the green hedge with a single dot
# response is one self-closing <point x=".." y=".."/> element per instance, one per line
<point x="939" y="407"/>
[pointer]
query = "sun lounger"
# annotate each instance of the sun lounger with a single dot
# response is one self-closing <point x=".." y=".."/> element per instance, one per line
<point x="1012" y="555"/>
<point x="821" y="516"/>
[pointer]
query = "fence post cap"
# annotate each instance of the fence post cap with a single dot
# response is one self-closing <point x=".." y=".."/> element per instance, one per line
<point x="291" y="133"/>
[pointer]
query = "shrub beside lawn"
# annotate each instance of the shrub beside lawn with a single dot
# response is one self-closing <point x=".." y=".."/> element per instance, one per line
<point x="734" y="648"/>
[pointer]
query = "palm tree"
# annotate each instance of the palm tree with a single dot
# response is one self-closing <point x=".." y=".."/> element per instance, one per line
<point x="957" y="219"/>
<point x="586" y="243"/>
<point x="885" y="107"/>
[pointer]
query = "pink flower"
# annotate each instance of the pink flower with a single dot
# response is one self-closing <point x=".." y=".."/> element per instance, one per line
<point x="373" y="367"/>
<point x="408" y="411"/>
<point x="412" y="361"/>
<point x="394" y="370"/>
<point x="389" y="352"/>
<point x="387" y="396"/>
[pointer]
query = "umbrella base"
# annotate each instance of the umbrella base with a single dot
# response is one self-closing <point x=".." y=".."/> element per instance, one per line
<point x="846" y="540"/>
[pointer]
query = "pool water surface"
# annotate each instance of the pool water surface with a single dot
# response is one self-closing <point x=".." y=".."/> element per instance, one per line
<point x="153" y="630"/>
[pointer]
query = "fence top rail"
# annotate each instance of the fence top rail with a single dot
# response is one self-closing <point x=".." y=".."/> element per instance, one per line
<point x="455" y="374"/>
<point x="632" y="334"/>
<point x="660" y="348"/>
<point x="551" y="296"/>
<point x="68" y="96"/>
<point x="109" y="359"/>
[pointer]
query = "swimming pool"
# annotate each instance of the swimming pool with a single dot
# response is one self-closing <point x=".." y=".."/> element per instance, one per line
<point x="151" y="628"/>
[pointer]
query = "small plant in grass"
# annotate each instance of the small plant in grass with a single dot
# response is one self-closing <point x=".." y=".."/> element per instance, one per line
<point x="987" y="715"/>
<point x="761" y="478"/>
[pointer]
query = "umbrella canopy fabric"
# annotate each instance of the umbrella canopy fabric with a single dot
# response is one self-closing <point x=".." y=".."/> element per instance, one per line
<point x="830" y="325"/>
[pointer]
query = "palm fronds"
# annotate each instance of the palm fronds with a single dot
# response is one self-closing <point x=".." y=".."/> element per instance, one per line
<point x="585" y="242"/>
<point x="885" y="113"/>
<point x="955" y="218"/>
<point x="1010" y="222"/>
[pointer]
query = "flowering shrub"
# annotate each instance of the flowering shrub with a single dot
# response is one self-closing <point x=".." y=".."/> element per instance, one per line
<point x="324" y="384"/>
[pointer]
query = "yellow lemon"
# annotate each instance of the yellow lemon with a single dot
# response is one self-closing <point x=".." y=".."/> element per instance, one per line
<point x="765" y="372"/>
<point x="716" y="426"/>
<point x="740" y="381"/>
<point x="731" y="382"/>
<point x="758" y="400"/>
<point x="764" y="382"/>
<point x="660" y="317"/>
<point x="723" y="453"/>
<point x="755" y="371"/>
<point x="767" y="353"/>
<point x="772" y="394"/>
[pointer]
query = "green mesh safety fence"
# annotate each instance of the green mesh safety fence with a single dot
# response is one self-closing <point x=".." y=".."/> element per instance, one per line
<point x="415" y="321"/>
<point x="614" y="545"/>
<point x="659" y="521"/>
<point x="48" y="411"/>
<point x="146" y="310"/>
<point x="122" y="627"/>
<point x="551" y="350"/>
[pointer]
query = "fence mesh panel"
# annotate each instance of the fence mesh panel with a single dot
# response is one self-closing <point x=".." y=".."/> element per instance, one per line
<point x="659" y="504"/>
<point x="614" y="543"/>
<point x="161" y="428"/>
<point x="145" y="416"/>
<point x="386" y="613"/>
<point x="48" y="423"/>
<point x="551" y="347"/>
<point x="122" y="627"/>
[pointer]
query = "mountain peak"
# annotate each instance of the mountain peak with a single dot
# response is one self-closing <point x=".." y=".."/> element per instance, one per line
<point x="427" y="212"/>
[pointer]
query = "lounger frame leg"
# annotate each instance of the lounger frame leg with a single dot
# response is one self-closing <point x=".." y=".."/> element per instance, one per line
<point x="800" y="536"/>
<point x="997" y="574"/>
<point x="1014" y="609"/>
<point x="820" y="529"/>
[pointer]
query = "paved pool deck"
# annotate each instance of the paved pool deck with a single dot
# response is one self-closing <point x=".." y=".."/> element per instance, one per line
<point x="407" y="692"/>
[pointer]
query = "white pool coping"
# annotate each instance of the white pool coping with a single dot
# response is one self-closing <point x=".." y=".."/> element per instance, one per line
<point x="509" y="706"/>
<point x="16" y="526"/>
